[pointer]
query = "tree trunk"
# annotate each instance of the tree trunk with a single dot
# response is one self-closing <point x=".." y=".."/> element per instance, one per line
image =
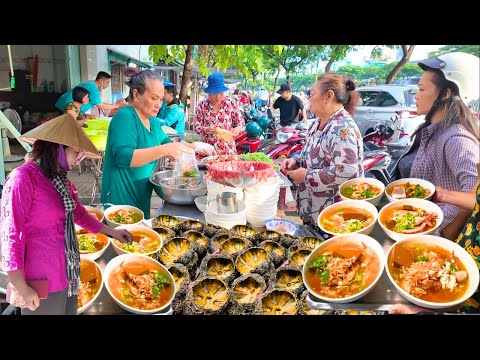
<point x="407" y="53"/>
<point x="275" y="83"/>
<point x="329" y="64"/>
<point x="187" y="74"/>
<point x="287" y="75"/>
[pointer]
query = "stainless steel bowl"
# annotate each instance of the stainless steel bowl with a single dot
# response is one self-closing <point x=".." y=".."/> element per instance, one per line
<point x="175" y="190"/>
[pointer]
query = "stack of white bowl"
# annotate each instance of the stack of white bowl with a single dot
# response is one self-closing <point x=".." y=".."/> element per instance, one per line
<point x="214" y="188"/>
<point x="212" y="216"/>
<point x="261" y="200"/>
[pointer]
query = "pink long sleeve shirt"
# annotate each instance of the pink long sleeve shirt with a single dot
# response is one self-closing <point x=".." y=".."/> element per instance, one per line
<point x="32" y="226"/>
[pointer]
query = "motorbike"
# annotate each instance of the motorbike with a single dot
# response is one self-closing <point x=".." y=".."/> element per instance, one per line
<point x="287" y="142"/>
<point x="380" y="161"/>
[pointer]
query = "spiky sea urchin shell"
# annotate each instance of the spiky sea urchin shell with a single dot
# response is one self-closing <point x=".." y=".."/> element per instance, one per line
<point x="277" y="302"/>
<point x="177" y="249"/>
<point x="211" y="230"/>
<point x="276" y="251"/>
<point x="245" y="292"/>
<point x="199" y="240"/>
<point x="287" y="240"/>
<point x="244" y="231"/>
<point x="164" y="232"/>
<point x="192" y="225"/>
<point x="207" y="296"/>
<point x="254" y="260"/>
<point x="311" y="242"/>
<point x="216" y="242"/>
<point x="305" y="309"/>
<point x="288" y="278"/>
<point x="165" y="220"/>
<point x="234" y="245"/>
<point x="219" y="266"/>
<point x="182" y="279"/>
<point x="298" y="258"/>
<point x="265" y="235"/>
<point x="296" y="246"/>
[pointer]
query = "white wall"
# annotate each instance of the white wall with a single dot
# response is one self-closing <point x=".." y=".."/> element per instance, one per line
<point x="51" y="63"/>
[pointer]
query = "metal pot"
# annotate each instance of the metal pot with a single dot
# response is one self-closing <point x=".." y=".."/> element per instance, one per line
<point x="174" y="191"/>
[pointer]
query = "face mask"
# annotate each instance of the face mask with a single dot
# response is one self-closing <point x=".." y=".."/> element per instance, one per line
<point x="62" y="159"/>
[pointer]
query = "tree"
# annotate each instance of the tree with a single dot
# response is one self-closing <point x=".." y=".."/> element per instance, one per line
<point x="407" y="53"/>
<point x="471" y="49"/>
<point x="336" y="53"/>
<point x="245" y="58"/>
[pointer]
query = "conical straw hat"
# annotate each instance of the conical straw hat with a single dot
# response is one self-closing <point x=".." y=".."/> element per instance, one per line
<point x="63" y="130"/>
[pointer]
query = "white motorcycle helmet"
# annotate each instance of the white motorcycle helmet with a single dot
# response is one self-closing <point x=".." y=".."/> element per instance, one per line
<point x="460" y="68"/>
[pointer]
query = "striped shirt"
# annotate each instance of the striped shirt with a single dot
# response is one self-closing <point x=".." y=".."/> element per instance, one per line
<point x="447" y="158"/>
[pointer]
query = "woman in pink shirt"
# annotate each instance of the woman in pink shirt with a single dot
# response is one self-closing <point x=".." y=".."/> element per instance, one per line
<point x="39" y="210"/>
<point x="218" y="118"/>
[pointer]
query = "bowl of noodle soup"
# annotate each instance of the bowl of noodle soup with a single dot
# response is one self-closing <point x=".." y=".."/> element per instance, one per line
<point x="139" y="284"/>
<point x="344" y="268"/>
<point x="432" y="272"/>
<point x="91" y="284"/>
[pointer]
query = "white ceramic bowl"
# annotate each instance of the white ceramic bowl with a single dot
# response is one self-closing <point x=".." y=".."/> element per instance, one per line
<point x="459" y="252"/>
<point x="126" y="258"/>
<point x="121" y="251"/>
<point x="214" y="188"/>
<point x="370" y="242"/>
<point x="95" y="255"/>
<point x="418" y="203"/>
<point x="114" y="208"/>
<point x="99" y="213"/>
<point x="287" y="226"/>
<point x="102" y="281"/>
<point x="212" y="210"/>
<point x="421" y="182"/>
<point x="355" y="204"/>
<point x="201" y="203"/>
<point x="375" y="200"/>
<point x="227" y="224"/>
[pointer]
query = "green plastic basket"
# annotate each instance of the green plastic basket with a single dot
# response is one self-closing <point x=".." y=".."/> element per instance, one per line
<point x="100" y="141"/>
<point x="97" y="124"/>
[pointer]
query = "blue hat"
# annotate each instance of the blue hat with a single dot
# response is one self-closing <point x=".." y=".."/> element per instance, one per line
<point x="216" y="84"/>
<point x="167" y="83"/>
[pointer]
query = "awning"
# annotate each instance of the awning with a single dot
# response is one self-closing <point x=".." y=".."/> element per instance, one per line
<point x="124" y="58"/>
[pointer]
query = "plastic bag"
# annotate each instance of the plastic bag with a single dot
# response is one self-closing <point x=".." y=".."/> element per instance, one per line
<point x="186" y="165"/>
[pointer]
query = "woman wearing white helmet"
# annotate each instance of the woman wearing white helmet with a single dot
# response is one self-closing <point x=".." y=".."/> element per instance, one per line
<point x="461" y="70"/>
<point x="446" y="147"/>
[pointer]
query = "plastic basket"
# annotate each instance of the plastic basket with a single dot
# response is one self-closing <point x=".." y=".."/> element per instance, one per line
<point x="100" y="141"/>
<point x="97" y="124"/>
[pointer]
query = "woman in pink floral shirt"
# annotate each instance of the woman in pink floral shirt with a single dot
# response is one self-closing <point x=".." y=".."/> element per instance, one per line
<point x="333" y="151"/>
<point x="218" y="118"/>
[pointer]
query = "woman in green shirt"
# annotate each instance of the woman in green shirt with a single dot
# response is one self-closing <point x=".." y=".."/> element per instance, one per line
<point x="135" y="142"/>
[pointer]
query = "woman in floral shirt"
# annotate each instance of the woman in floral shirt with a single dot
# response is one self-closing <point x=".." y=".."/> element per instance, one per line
<point x="333" y="151"/>
<point x="218" y="118"/>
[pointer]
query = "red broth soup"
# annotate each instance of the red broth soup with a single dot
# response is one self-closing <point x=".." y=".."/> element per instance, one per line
<point x="428" y="272"/>
<point x="90" y="281"/>
<point x="346" y="220"/>
<point x="142" y="243"/>
<point x="342" y="270"/>
<point x="141" y="285"/>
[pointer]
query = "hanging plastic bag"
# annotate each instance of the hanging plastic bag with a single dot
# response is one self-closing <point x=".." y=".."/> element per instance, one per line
<point x="186" y="166"/>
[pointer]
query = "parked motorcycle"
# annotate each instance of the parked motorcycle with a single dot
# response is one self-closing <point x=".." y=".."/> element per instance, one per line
<point x="380" y="161"/>
<point x="287" y="142"/>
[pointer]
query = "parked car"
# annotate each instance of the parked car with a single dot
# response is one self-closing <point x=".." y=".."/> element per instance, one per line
<point x="383" y="102"/>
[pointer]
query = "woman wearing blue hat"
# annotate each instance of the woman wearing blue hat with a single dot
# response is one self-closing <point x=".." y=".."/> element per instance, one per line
<point x="218" y="118"/>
